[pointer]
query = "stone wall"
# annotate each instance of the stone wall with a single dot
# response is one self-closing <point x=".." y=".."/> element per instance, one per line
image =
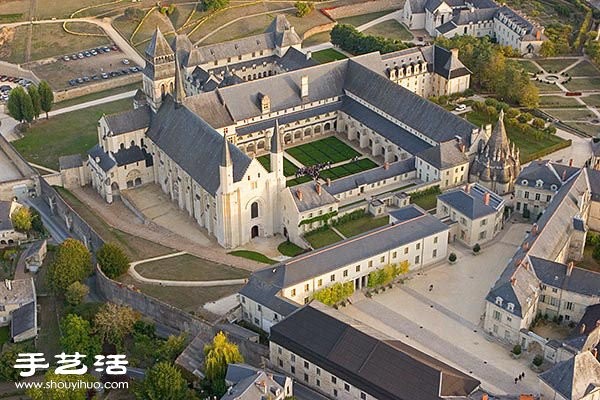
<point x="9" y="69"/>
<point x="20" y="185"/>
<point x="364" y="7"/>
<point x="318" y="29"/>
<point x="60" y="95"/>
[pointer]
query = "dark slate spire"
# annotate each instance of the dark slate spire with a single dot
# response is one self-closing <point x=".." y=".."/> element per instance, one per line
<point x="179" y="89"/>
<point x="276" y="146"/>
<point x="226" y="155"/>
<point x="158" y="46"/>
<point x="499" y="140"/>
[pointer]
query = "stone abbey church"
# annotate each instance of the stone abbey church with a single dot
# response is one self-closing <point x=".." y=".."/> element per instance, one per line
<point x="205" y="114"/>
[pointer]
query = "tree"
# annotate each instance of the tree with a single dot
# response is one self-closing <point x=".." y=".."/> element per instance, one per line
<point x="76" y="292"/>
<point x="77" y="336"/>
<point x="476" y="248"/>
<point x="538" y="123"/>
<point x="112" y="260"/>
<point x="8" y="358"/>
<point x="350" y="39"/>
<point x="217" y="355"/>
<point x="72" y="263"/>
<point x="21" y="219"/>
<point x="171" y="348"/>
<point x="27" y="110"/>
<point x="303" y="8"/>
<point x="46" y="97"/>
<point x="35" y="100"/>
<point x="163" y="382"/>
<point x="60" y="389"/>
<point x="15" y="103"/>
<point x="114" y="322"/>
<point x="548" y="49"/>
<point x="214" y="5"/>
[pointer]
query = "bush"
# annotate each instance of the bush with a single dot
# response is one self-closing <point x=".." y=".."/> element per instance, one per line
<point x="303" y="8"/>
<point x="538" y="360"/>
<point x="351" y="40"/>
<point x="517" y="349"/>
<point x="76" y="292"/>
<point x="512" y="113"/>
<point x="113" y="260"/>
<point x="596" y="252"/>
<point x="476" y="248"/>
<point x="538" y="123"/>
<point x="452" y="257"/>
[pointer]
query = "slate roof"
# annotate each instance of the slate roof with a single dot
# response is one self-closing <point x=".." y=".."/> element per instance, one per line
<point x="370" y="176"/>
<point x="406" y="214"/>
<point x="582" y="281"/>
<point x="385" y="368"/>
<point x="247" y="383"/>
<point x="70" y="161"/>
<point x="446" y="65"/>
<point x="575" y="377"/>
<point x="310" y="198"/>
<point x="131" y="155"/>
<point x="471" y="204"/>
<point x="158" y="46"/>
<point x="129" y="121"/>
<point x="100" y="157"/>
<point x="5" y="217"/>
<point x="417" y="6"/>
<point x="594" y="180"/>
<point x="263" y="287"/>
<point x="23" y="319"/>
<point x="589" y="320"/>
<point x="194" y="144"/>
<point x="22" y="292"/>
<point x="445" y="155"/>
<point x="548" y="172"/>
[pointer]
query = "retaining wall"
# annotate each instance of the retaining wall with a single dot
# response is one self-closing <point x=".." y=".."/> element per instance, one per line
<point x="364" y="7"/>
<point x="65" y="94"/>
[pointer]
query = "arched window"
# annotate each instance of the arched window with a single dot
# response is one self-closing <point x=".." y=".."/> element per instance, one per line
<point x="162" y="91"/>
<point x="254" y="210"/>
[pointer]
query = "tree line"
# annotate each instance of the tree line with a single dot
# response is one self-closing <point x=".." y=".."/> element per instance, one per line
<point x="349" y="39"/>
<point x="27" y="105"/>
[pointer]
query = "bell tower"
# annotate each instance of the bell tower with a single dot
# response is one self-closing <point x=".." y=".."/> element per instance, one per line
<point x="159" y="73"/>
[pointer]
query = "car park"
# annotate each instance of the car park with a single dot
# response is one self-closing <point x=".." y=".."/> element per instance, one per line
<point x="79" y="80"/>
<point x="104" y="75"/>
<point x="125" y="61"/>
<point x="5" y="88"/>
<point x="3" y="78"/>
<point x="94" y="52"/>
<point x="72" y="82"/>
<point x="80" y="55"/>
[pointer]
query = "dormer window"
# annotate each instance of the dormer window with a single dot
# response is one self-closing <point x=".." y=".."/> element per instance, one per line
<point x="510" y="307"/>
<point x="553" y="187"/>
<point x="499" y="300"/>
<point x="524" y="182"/>
<point x="539" y="183"/>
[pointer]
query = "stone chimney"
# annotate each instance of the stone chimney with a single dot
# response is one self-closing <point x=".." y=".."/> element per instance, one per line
<point x="454" y="54"/>
<point x="299" y="194"/>
<point x="328" y="181"/>
<point x="570" y="268"/>
<point x="308" y="55"/>
<point x="318" y="188"/>
<point x="582" y="329"/>
<point x="486" y="199"/>
<point x="571" y="162"/>
<point x="386" y="165"/>
<point x="467" y="188"/>
<point x="534" y="229"/>
<point x="538" y="35"/>
<point x="513" y="281"/>
<point x="304" y="86"/>
<point x="265" y="103"/>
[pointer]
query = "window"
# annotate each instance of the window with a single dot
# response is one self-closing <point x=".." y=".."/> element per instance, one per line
<point x="394" y="254"/>
<point x="243" y="300"/>
<point x="319" y="382"/>
<point x="259" y="308"/>
<point x="293" y="357"/>
<point x="335" y="392"/>
<point x="363" y="396"/>
<point x="306" y="287"/>
<point x="482" y="235"/>
<point x="483" y="222"/>
<point x="554" y="290"/>
<point x="292" y="369"/>
<point x="499" y="300"/>
<point x="537" y="196"/>
<point x="333" y="379"/>
<point x="279" y="350"/>
<point x="346" y="387"/>
<point x="305" y="377"/>
<point x="293" y="292"/>
<point x="548" y="198"/>
<point x="332" y="278"/>
<point x="435" y="240"/>
<point x="320" y="282"/>
<point x="382" y="259"/>
<point x="306" y="365"/>
<point x="406" y="250"/>
<point x="510" y="307"/>
<point x="358" y="268"/>
<point x="280" y="362"/>
<point x="345" y="273"/>
<point x="319" y="371"/>
<point x="526" y="194"/>
<point x="418" y="246"/>
<point x="417" y="259"/>
<point x="306" y="300"/>
<point x="370" y="264"/>
<point x="569" y="305"/>
<point x="434" y="253"/>
<point x="497" y="315"/>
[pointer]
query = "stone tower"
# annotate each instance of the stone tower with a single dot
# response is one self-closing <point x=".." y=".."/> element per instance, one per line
<point x="159" y="73"/>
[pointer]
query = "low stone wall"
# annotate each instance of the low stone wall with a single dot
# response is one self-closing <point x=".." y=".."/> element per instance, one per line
<point x="54" y="179"/>
<point x="318" y="29"/>
<point x="364" y="7"/>
<point x="17" y="159"/>
<point x="60" y="95"/>
<point x="15" y="70"/>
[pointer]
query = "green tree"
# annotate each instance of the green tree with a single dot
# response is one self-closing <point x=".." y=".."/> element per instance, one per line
<point x="76" y="292"/>
<point x="163" y="382"/>
<point x="77" y="336"/>
<point x="596" y="252"/>
<point x="114" y="322"/>
<point x="21" y="219"/>
<point x="15" y="103"/>
<point x="217" y="355"/>
<point x="57" y="391"/>
<point x="72" y="263"/>
<point x="112" y="260"/>
<point x="27" y="110"/>
<point x="303" y="8"/>
<point x="335" y="293"/>
<point x="214" y="5"/>
<point x="46" y="97"/>
<point x="171" y="348"/>
<point x="8" y="358"/>
<point x="36" y="100"/>
<point x="548" y="49"/>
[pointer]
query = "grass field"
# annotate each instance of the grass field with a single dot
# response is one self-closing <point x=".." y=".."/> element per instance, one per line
<point x="290" y="249"/>
<point x="245" y="27"/>
<point x="584" y="68"/>
<point x="582" y="84"/>
<point x="526" y="65"/>
<point x="358" y="20"/>
<point x="318" y="38"/>
<point x="546" y="87"/>
<point x="253" y="255"/>
<point x="321" y="151"/>
<point x="318" y="239"/>
<point x="13" y="51"/>
<point x="390" y="29"/>
<point x="592" y="100"/>
<point x="571" y="114"/>
<point x="96" y="95"/>
<point x="350" y="168"/>
<point x="327" y="55"/>
<point x="69" y="133"/>
<point x="589" y="129"/>
<point x="289" y="169"/>
<point x="187" y="267"/>
<point x="553" y="65"/>
<point x="361" y="225"/>
<point x="50" y="40"/>
<point x="426" y="202"/>
<point x="558" y="101"/>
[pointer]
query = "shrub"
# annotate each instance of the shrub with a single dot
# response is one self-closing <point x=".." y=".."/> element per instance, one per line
<point x="335" y="293"/>
<point x="113" y="260"/>
<point x="76" y="292"/>
<point x="303" y="8"/>
<point x="476" y="248"/>
<point x="21" y="219"/>
<point x="538" y="360"/>
<point x="452" y="257"/>
<point x="512" y="113"/>
<point x="538" y="123"/>
<point x="596" y="252"/>
<point x="517" y="349"/>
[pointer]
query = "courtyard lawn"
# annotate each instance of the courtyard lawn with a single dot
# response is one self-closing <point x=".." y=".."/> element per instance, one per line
<point x="96" y="95"/>
<point x="70" y="133"/>
<point x="426" y="202"/>
<point x="290" y="249"/>
<point x="318" y="38"/>
<point x="544" y="87"/>
<point x="187" y="267"/>
<point x="350" y="168"/>
<point x="581" y="84"/>
<point x="584" y="68"/>
<point x="358" y="20"/>
<point x="297" y="181"/>
<point x="592" y="100"/>
<point x="327" y="55"/>
<point x="589" y="262"/>
<point x="253" y="255"/>
<point x="361" y="225"/>
<point x="588" y="129"/>
<point x="554" y="65"/>
<point x="570" y="114"/>
<point x="390" y="29"/>
<point x="528" y="66"/>
<point x="322" y="238"/>
<point x="289" y="169"/>
<point x="558" y="101"/>
<point x="323" y="150"/>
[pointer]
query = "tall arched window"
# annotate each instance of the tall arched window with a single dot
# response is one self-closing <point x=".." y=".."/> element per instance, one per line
<point x="254" y="210"/>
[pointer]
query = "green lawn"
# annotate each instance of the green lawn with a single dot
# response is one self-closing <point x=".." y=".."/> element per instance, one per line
<point x="328" y="149"/>
<point x="253" y="255"/>
<point x="70" y="133"/>
<point x="592" y="100"/>
<point x="350" y="168"/>
<point x="290" y="249"/>
<point x="96" y="95"/>
<point x="297" y="181"/>
<point x="581" y="84"/>
<point x="289" y="169"/>
<point x="546" y="87"/>
<point x="4" y="335"/>
<point x="187" y="267"/>
<point x="558" y="101"/>
<point x="50" y="40"/>
<point x="553" y="65"/>
<point x="327" y="55"/>
<point x="361" y="225"/>
<point x="570" y="114"/>
<point x="318" y="239"/>
<point x="426" y="202"/>
<point x="318" y="38"/>
<point x="390" y="29"/>
<point x="358" y="20"/>
<point x="528" y="66"/>
<point x="584" y="68"/>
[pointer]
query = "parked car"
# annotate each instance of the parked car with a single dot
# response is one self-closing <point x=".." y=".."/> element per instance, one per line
<point x="74" y="57"/>
<point x="104" y="75"/>
<point x="87" y="54"/>
<point x="94" y="52"/>
<point x="79" y="80"/>
<point x="66" y="58"/>
<point x="124" y="72"/>
<point x="114" y="73"/>
<point x="125" y="61"/>
<point x="106" y="49"/>
<point x="5" y="88"/>
<point x="95" y="77"/>
<point x="3" y="78"/>
<point x="460" y="107"/>
<point x="114" y="47"/>
<point x="86" y="79"/>
<point x="80" y="56"/>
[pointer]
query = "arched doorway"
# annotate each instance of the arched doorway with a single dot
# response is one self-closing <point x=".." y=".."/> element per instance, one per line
<point x="254" y="231"/>
<point x="254" y="210"/>
<point x="115" y="188"/>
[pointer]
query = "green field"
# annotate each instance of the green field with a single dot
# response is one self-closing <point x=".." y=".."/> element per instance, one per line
<point x="290" y="249"/>
<point x="546" y="87"/>
<point x="358" y="20"/>
<point x="96" y="95"/>
<point x="592" y="100"/>
<point x="581" y="84"/>
<point x="361" y="225"/>
<point x="558" y="101"/>
<point x="350" y="168"/>
<point x="390" y="29"/>
<point x="322" y="238"/>
<point x="589" y="129"/>
<point x="187" y="267"/>
<point x="297" y="181"/>
<point x="318" y="38"/>
<point x="327" y="55"/>
<point x="70" y="133"/>
<point x="571" y="114"/>
<point x="321" y="151"/>
<point x="584" y="68"/>
<point x="253" y="255"/>
<point x="289" y="169"/>
<point x="528" y="66"/>
<point x="553" y="65"/>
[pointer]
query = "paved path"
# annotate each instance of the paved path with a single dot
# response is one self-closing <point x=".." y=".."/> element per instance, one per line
<point x="166" y="282"/>
<point x="92" y="103"/>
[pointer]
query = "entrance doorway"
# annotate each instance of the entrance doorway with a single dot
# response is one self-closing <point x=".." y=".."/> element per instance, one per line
<point x="254" y="231"/>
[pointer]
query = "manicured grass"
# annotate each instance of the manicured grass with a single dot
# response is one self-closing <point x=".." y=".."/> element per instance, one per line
<point x="528" y="66"/>
<point x="4" y="335"/>
<point x="555" y="64"/>
<point x="358" y="20"/>
<point x="544" y="87"/>
<point x="390" y="29"/>
<point x="187" y="267"/>
<point x="426" y="202"/>
<point x="350" y="168"/>
<point x="589" y="129"/>
<point x="570" y="114"/>
<point x="289" y="169"/>
<point x="361" y="225"/>
<point x="592" y="100"/>
<point x="584" y="68"/>
<point x="321" y="151"/>
<point x="558" y="101"/>
<point x="318" y="239"/>
<point x="96" y="95"/>
<point x="290" y="249"/>
<point x="297" y="181"/>
<point x="253" y="255"/>
<point x="581" y="84"/>
<point x="71" y="133"/>
<point x="327" y="55"/>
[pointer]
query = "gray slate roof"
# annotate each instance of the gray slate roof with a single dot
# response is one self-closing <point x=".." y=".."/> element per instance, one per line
<point x="129" y="121"/>
<point x="23" y="319"/>
<point x="471" y="204"/>
<point x="406" y="213"/>
<point x="104" y="161"/>
<point x="446" y="65"/>
<point x="385" y="368"/>
<point x="133" y="154"/>
<point x="5" y="220"/>
<point x="445" y="155"/>
<point x="247" y="383"/>
<point x="158" y="46"/>
<point x="194" y="144"/>
<point x="70" y="161"/>
<point x="310" y="198"/>
<point x="548" y="172"/>
<point x="574" y="378"/>
<point x="555" y="274"/>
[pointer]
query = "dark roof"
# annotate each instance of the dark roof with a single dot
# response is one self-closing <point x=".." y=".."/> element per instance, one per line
<point x="575" y="377"/>
<point x="158" y="46"/>
<point x="555" y="274"/>
<point x="445" y="155"/>
<point x="100" y="157"/>
<point x="386" y="369"/>
<point x="471" y="204"/>
<point x="5" y="220"/>
<point x="129" y="121"/>
<point x="549" y="173"/>
<point x="194" y="145"/>
<point x="23" y="319"/>
<point x="263" y="287"/>
<point x="594" y="179"/>
<point x="70" y="161"/>
<point x="310" y="197"/>
<point x="446" y="65"/>
<point x="406" y="213"/>
<point x="590" y="319"/>
<point x="131" y="155"/>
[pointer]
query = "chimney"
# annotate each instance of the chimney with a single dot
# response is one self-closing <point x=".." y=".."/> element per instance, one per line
<point x="328" y="181"/>
<point x="486" y="199"/>
<point x="485" y="396"/>
<point x="454" y="54"/>
<point x="304" y="86"/>
<point x="538" y="35"/>
<point x="308" y="55"/>
<point x="570" y="268"/>
<point x="571" y="162"/>
<point x="318" y="188"/>
<point x="299" y="194"/>
<point x="467" y="188"/>
<point x="564" y="176"/>
<point x="461" y="147"/>
<point x="386" y="165"/>
<point x="582" y="329"/>
<point x="534" y="229"/>
<point x="595" y="352"/>
<point x="513" y="281"/>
